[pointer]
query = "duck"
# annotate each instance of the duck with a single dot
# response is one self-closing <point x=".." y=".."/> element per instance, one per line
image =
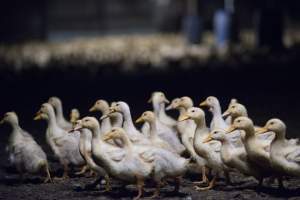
<point x="74" y="116"/>
<point x="64" y="145"/>
<point x="116" y="118"/>
<point x="24" y="152"/>
<point x="57" y="105"/>
<point x="123" y="108"/>
<point x="228" y="119"/>
<point x="166" y="163"/>
<point x="158" y="100"/>
<point x="209" y="151"/>
<point x="236" y="110"/>
<point x="284" y="153"/>
<point x="149" y="117"/>
<point x="102" y="106"/>
<point x="218" y="122"/>
<point x="85" y="147"/>
<point x="233" y="156"/>
<point x="258" y="151"/>
<point x="186" y="131"/>
<point x="122" y="163"/>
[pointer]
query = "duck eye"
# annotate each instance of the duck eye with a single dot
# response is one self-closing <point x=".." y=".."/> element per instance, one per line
<point x="233" y="106"/>
<point x="117" y="104"/>
<point x="238" y="121"/>
<point x="193" y="111"/>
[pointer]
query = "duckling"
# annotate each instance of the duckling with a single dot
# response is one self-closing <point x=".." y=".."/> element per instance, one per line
<point x="64" y="146"/>
<point x="85" y="147"/>
<point x="158" y="100"/>
<point x="257" y="150"/>
<point x="57" y="105"/>
<point x="228" y="119"/>
<point x="116" y="118"/>
<point x="186" y="130"/>
<point x="102" y="106"/>
<point x="134" y="135"/>
<point x="166" y="163"/>
<point x="74" y="115"/>
<point x="236" y="110"/>
<point x="24" y="153"/>
<point x="284" y="153"/>
<point x="217" y="121"/>
<point x="149" y="117"/>
<point x="209" y="151"/>
<point x="122" y="163"/>
<point x="233" y="156"/>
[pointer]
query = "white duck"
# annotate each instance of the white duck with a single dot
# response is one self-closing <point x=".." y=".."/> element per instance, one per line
<point x="166" y="164"/>
<point x="122" y="163"/>
<point x="116" y="118"/>
<point x="74" y="115"/>
<point x="284" y="153"/>
<point x="158" y="100"/>
<point x="209" y="151"/>
<point x="233" y="156"/>
<point x="24" y="153"/>
<point x="258" y="151"/>
<point x="64" y="145"/>
<point x="102" y="106"/>
<point x="57" y="105"/>
<point x="236" y="110"/>
<point x="156" y="141"/>
<point x="186" y="131"/>
<point x="228" y="119"/>
<point x="134" y="135"/>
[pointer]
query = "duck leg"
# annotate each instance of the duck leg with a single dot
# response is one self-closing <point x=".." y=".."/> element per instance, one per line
<point x="140" y="186"/>
<point x="83" y="170"/>
<point x="65" y="174"/>
<point x="107" y="183"/>
<point x="48" y="178"/>
<point x="210" y="186"/>
<point x="157" y="190"/>
<point x="227" y="177"/>
<point x="177" y="184"/>
<point x="204" y="177"/>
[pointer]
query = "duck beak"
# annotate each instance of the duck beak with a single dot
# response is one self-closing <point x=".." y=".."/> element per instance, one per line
<point x="208" y="139"/>
<point x="170" y="107"/>
<point x="139" y="120"/>
<point x="108" y="136"/>
<point x="183" y="117"/>
<point x="231" y="129"/>
<point x="111" y="111"/>
<point x="226" y="113"/>
<point x="38" y="116"/>
<point x="77" y="126"/>
<point x="261" y="130"/>
<point x="166" y="100"/>
<point x="92" y="109"/>
<point x="203" y="103"/>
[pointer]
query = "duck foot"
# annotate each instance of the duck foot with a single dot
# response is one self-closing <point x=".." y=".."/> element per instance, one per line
<point x="210" y="186"/>
<point x="82" y="171"/>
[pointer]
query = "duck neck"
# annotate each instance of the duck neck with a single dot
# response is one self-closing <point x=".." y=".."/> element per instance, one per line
<point x="201" y="124"/>
<point x="15" y="125"/>
<point x="96" y="132"/>
<point x="59" y="112"/>
<point x="156" y="108"/>
<point x="153" y="129"/>
<point x="105" y="123"/>
<point x="117" y="120"/>
<point x="126" y="142"/>
<point x="128" y="124"/>
<point x="52" y="122"/>
<point x="233" y="117"/>
<point x="250" y="132"/>
<point x="181" y="110"/>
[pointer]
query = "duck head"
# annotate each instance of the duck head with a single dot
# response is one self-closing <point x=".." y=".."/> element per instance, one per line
<point x="74" y="115"/>
<point x="44" y="111"/>
<point x="147" y="116"/>
<point x="54" y="101"/>
<point x="241" y="123"/>
<point x="100" y="105"/>
<point x="217" y="134"/>
<point x="11" y="118"/>
<point x="275" y="125"/>
<point x="236" y="110"/>
<point x="211" y="102"/>
<point x="158" y="97"/>
<point x="174" y="104"/>
<point x="115" y="133"/>
<point x="86" y="122"/>
<point x="193" y="113"/>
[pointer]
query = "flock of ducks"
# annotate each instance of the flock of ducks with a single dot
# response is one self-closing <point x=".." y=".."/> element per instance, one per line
<point x="163" y="149"/>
